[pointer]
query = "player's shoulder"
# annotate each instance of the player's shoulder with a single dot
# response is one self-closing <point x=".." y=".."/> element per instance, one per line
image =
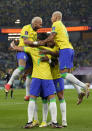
<point x="57" y="23"/>
<point x="26" y="26"/>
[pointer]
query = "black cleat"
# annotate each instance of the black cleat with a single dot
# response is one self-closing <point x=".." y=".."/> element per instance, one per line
<point x="55" y="125"/>
<point x="28" y="125"/>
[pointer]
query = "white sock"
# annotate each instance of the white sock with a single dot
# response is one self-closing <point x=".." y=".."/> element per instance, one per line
<point x="28" y="82"/>
<point x="53" y="111"/>
<point x="70" y="77"/>
<point x="63" y="110"/>
<point x="78" y="88"/>
<point x="31" y="108"/>
<point x="35" y="113"/>
<point x="14" y="75"/>
<point x="45" y="111"/>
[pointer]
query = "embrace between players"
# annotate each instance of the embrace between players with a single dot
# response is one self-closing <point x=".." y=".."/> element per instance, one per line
<point x="49" y="60"/>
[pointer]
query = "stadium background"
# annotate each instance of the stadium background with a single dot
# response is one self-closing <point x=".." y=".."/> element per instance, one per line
<point x="14" y="14"/>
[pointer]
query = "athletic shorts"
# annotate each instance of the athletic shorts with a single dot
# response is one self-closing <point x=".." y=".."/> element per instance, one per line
<point x="26" y="57"/>
<point x="66" y="58"/>
<point x="42" y="86"/>
<point x="59" y="84"/>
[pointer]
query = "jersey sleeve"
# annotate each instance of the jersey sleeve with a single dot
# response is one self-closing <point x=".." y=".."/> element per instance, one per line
<point x="24" y="32"/>
<point x="54" y="28"/>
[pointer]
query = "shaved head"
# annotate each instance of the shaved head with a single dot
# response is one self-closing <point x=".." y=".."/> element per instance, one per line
<point x="57" y="14"/>
<point x="36" y="23"/>
<point x="36" y="19"/>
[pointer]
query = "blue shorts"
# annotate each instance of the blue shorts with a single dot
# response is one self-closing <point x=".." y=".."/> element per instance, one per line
<point x="40" y="85"/>
<point x="66" y="58"/>
<point x="26" y="57"/>
<point x="59" y="84"/>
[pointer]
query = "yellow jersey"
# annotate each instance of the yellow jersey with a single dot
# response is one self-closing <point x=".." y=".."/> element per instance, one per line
<point x="54" y="70"/>
<point x="41" y="70"/>
<point x="61" y="38"/>
<point x="29" y="33"/>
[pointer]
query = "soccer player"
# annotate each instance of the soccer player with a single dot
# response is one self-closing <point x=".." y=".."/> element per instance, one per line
<point x="41" y="80"/>
<point x="58" y="82"/>
<point x="66" y="53"/>
<point x="7" y="77"/>
<point x="24" y="60"/>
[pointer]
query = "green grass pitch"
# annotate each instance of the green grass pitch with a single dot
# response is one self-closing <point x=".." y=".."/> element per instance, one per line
<point x="13" y="112"/>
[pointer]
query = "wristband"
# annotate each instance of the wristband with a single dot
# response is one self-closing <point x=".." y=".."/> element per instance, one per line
<point x="35" y="42"/>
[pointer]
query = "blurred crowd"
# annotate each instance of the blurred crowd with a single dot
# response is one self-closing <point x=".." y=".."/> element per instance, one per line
<point x="83" y="53"/>
<point x="25" y="10"/>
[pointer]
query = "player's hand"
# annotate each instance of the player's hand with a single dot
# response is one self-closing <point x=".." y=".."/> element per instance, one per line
<point x="12" y="45"/>
<point x="44" y="59"/>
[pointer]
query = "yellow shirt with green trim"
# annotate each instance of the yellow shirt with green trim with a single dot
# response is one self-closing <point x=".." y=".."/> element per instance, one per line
<point x="61" y="38"/>
<point x="29" y="33"/>
<point x="54" y="70"/>
<point x="41" y="70"/>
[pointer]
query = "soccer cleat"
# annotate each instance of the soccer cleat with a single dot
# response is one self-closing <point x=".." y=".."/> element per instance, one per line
<point x="55" y="125"/>
<point x="87" y="89"/>
<point x="28" y="125"/>
<point x="64" y="123"/>
<point x="80" y="98"/>
<point x="43" y="124"/>
<point x="26" y="98"/>
<point x="35" y="123"/>
<point x="7" y="87"/>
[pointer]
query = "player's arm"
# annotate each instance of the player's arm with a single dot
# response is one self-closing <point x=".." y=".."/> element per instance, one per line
<point x="45" y="51"/>
<point x="32" y="43"/>
<point x="49" y="39"/>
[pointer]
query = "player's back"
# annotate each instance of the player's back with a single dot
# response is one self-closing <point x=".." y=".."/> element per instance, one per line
<point x="41" y="70"/>
<point x="61" y="38"/>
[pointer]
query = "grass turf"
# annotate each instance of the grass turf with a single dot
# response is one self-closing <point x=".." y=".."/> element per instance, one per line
<point x="13" y="112"/>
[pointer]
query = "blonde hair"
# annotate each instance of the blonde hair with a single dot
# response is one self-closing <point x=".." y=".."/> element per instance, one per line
<point x="58" y="14"/>
<point x="35" y="19"/>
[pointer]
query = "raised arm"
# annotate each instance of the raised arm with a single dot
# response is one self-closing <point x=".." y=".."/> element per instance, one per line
<point x="49" y="39"/>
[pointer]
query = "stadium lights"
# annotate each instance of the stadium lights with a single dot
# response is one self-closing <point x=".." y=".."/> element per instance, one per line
<point x="13" y="36"/>
<point x="17" y="21"/>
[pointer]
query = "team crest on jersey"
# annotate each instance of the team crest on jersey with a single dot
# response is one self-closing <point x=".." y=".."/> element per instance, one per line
<point x="26" y="32"/>
<point x="53" y="28"/>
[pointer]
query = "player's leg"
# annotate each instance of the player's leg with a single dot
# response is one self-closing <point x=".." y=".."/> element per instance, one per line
<point x="59" y="85"/>
<point x="36" y="121"/>
<point x="66" y="63"/>
<point x="34" y="92"/>
<point x="44" y="112"/>
<point x="27" y="84"/>
<point x="49" y="91"/>
<point x="6" y="95"/>
<point x="12" y="91"/>
<point x="22" y="58"/>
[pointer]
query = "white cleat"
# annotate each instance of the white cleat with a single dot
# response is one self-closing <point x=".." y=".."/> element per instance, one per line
<point x="64" y="123"/>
